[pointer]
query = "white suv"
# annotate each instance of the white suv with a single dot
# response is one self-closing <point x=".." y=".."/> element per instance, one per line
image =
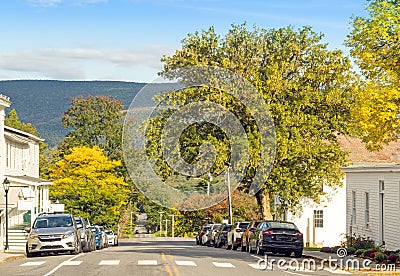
<point x="53" y="233"/>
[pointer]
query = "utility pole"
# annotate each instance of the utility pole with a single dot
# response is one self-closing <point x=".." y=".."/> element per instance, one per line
<point x="166" y="227"/>
<point x="161" y="214"/>
<point x="172" y="225"/>
<point x="131" y="221"/>
<point x="210" y="178"/>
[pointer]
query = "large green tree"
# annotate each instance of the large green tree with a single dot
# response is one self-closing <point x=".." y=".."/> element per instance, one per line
<point x="84" y="182"/>
<point x="94" y="121"/>
<point x="375" y="45"/>
<point x="307" y="88"/>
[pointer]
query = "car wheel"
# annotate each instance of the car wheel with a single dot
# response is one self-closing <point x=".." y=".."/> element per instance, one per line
<point x="242" y="247"/>
<point x="259" y="251"/>
<point x="298" y="254"/>
<point x="250" y="249"/>
<point x="29" y="254"/>
<point x="288" y="254"/>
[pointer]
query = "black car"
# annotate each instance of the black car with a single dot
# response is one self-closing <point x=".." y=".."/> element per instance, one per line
<point x="221" y="237"/>
<point x="276" y="237"/>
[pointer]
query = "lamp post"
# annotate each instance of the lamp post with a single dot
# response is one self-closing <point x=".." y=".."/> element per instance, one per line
<point x="6" y="186"/>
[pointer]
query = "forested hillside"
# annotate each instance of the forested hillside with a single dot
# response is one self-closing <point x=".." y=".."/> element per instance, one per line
<point x="43" y="102"/>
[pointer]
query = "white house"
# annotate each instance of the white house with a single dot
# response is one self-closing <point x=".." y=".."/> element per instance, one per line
<point x="327" y="223"/>
<point x="19" y="165"/>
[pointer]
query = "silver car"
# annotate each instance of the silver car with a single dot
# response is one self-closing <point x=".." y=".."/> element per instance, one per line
<point x="53" y="233"/>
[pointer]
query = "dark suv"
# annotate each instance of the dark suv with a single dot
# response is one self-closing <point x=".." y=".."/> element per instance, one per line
<point x="53" y="233"/>
<point x="87" y="236"/>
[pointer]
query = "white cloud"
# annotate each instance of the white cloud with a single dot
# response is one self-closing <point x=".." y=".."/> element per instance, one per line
<point x="79" y="63"/>
<point x="54" y="3"/>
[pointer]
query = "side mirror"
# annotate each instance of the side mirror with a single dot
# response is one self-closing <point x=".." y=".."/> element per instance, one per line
<point x="27" y="229"/>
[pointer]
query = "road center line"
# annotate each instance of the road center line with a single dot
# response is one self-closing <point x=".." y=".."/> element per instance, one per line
<point x="61" y="264"/>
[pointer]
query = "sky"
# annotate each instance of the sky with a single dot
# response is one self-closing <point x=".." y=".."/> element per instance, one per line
<point x="125" y="39"/>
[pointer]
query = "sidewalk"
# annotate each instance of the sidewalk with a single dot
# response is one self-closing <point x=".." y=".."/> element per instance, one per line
<point x="11" y="255"/>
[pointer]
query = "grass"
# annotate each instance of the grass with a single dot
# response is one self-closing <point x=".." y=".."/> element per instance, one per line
<point x="312" y="249"/>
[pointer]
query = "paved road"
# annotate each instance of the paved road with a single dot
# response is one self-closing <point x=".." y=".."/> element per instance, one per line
<point x="170" y="257"/>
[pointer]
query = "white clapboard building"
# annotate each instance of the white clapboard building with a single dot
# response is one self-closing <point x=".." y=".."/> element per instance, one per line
<point x="28" y="194"/>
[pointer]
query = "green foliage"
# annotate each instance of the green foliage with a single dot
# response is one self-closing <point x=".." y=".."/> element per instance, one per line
<point x="374" y="42"/>
<point x="95" y="121"/>
<point x="308" y="90"/>
<point x="13" y="121"/>
<point x="351" y="250"/>
<point x="84" y="182"/>
<point x="380" y="257"/>
<point x="359" y="252"/>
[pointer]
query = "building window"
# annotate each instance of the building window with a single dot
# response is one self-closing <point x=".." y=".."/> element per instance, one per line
<point x="353" y="208"/>
<point x="367" y="210"/>
<point x="381" y="186"/>
<point x="318" y="218"/>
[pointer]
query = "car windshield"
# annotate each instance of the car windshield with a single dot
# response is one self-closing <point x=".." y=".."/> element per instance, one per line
<point x="244" y="225"/>
<point x="79" y="223"/>
<point x="285" y="225"/>
<point x="109" y="232"/>
<point x="95" y="229"/>
<point x="51" y="222"/>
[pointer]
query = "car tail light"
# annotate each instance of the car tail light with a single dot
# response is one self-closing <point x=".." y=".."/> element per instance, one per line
<point x="267" y="233"/>
<point x="298" y="234"/>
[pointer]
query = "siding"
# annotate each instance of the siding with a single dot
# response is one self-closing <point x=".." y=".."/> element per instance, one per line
<point x="362" y="182"/>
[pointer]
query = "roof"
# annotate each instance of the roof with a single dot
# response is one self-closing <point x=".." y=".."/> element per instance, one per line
<point x="28" y="179"/>
<point x="359" y="155"/>
<point x="22" y="133"/>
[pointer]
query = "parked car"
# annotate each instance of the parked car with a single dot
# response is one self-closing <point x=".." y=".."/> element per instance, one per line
<point x="276" y="237"/>
<point x="205" y="237"/>
<point x="246" y="234"/>
<point x="87" y="236"/>
<point x="203" y="230"/>
<point x="53" y="233"/>
<point x="111" y="238"/>
<point x="100" y="237"/>
<point x="221" y="237"/>
<point x="235" y="235"/>
<point x="211" y="234"/>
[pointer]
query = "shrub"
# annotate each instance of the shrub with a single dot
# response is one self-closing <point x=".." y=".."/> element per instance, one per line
<point x="350" y="250"/>
<point x="380" y="257"/>
<point x="368" y="253"/>
<point x="326" y="249"/>
<point x="359" y="252"/>
<point x="393" y="258"/>
<point x="334" y="249"/>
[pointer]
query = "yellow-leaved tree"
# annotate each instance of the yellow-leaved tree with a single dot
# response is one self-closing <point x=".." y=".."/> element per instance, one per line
<point x="84" y="182"/>
<point x="375" y="44"/>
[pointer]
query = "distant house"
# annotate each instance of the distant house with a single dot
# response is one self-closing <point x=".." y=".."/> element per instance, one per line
<point x="347" y="207"/>
<point x="19" y="164"/>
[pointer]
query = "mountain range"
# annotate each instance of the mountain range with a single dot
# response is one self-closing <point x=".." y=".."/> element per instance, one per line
<point x="44" y="102"/>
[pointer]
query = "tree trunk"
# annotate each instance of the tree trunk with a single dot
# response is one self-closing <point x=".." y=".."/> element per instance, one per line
<point x="264" y="204"/>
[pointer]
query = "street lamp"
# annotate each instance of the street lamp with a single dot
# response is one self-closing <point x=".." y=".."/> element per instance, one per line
<point x="229" y="192"/>
<point x="6" y="186"/>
